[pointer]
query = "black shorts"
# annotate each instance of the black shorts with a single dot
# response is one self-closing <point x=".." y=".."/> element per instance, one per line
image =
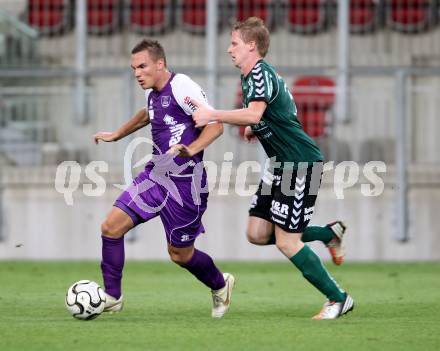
<point x="287" y="198"/>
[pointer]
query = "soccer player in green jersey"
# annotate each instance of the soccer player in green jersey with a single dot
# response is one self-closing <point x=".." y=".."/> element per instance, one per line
<point x="284" y="202"/>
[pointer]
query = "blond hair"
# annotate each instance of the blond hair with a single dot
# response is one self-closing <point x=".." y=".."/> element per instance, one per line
<point x="253" y="29"/>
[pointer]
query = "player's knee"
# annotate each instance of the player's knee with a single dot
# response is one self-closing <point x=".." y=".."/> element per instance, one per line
<point x="252" y="237"/>
<point x="289" y="247"/>
<point x="109" y="231"/>
<point x="257" y="238"/>
<point x="177" y="256"/>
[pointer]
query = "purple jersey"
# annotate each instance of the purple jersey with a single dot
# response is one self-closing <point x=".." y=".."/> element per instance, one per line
<point x="167" y="188"/>
<point x="170" y="111"/>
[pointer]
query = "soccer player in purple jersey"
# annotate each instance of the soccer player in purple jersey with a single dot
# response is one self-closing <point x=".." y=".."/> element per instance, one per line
<point x="284" y="203"/>
<point x="172" y="183"/>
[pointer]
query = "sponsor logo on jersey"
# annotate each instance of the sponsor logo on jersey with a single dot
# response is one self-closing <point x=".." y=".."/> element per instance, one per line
<point x="188" y="102"/>
<point x="176" y="133"/>
<point x="176" y="129"/>
<point x="169" y="120"/>
<point x="279" y="209"/>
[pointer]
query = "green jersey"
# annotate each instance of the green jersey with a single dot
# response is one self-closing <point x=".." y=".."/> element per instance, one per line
<point x="279" y="130"/>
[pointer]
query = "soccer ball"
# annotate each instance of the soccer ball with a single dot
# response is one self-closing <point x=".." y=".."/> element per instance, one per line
<point x="85" y="300"/>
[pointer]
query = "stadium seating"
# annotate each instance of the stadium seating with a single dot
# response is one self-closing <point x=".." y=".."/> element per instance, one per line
<point x="305" y="16"/>
<point x="103" y="16"/>
<point x="150" y="17"/>
<point x="265" y="9"/>
<point x="411" y="16"/>
<point x="192" y="15"/>
<point x="49" y="17"/>
<point x="314" y="97"/>
<point x="365" y="16"/>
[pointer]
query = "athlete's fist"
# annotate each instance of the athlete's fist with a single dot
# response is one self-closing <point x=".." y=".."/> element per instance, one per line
<point x="202" y="115"/>
<point x="249" y="135"/>
<point x="180" y="150"/>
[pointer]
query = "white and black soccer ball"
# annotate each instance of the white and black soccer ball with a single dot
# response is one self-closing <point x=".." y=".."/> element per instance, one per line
<point x="85" y="300"/>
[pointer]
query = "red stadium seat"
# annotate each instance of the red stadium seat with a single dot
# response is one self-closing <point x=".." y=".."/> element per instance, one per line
<point x="411" y="16"/>
<point x="364" y="15"/>
<point x="102" y="16"/>
<point x="150" y="17"/>
<point x="314" y="96"/>
<point x="306" y="16"/>
<point x="193" y="14"/>
<point x="49" y="17"/>
<point x="265" y="9"/>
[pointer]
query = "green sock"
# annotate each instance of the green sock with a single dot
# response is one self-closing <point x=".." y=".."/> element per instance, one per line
<point x="324" y="234"/>
<point x="313" y="270"/>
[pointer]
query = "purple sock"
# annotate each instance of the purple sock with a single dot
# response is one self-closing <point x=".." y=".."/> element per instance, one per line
<point x="113" y="257"/>
<point x="203" y="268"/>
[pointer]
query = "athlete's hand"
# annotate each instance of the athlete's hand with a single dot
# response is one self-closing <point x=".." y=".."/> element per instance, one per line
<point x="202" y="114"/>
<point x="180" y="150"/>
<point x="249" y="135"/>
<point x="105" y="136"/>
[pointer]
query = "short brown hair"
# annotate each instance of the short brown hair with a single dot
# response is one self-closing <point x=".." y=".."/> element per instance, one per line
<point x="253" y="29"/>
<point x="153" y="47"/>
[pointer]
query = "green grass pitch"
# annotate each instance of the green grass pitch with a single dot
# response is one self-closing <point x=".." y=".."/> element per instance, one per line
<point x="397" y="308"/>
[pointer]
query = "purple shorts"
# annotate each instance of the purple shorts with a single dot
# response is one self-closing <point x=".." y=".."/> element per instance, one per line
<point x="177" y="199"/>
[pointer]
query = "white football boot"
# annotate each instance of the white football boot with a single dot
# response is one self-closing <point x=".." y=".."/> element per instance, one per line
<point x="221" y="298"/>
<point x="333" y="310"/>
<point x="335" y="246"/>
<point x="112" y="305"/>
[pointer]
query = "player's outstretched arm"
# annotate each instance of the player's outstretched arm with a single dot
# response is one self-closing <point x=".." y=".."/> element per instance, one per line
<point x="206" y="137"/>
<point x="139" y="120"/>
<point x="242" y="117"/>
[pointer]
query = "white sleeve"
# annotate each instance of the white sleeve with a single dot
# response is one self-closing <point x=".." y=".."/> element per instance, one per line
<point x="184" y="89"/>
<point x="147" y="94"/>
